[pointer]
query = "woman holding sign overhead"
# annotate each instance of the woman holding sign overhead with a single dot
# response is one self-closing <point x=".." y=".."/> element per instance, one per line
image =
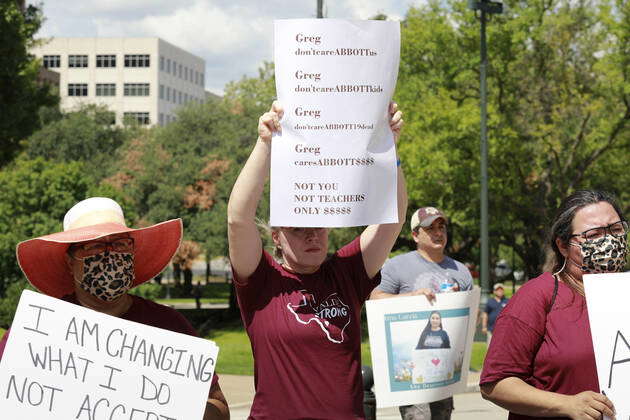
<point x="541" y="361"/>
<point x="97" y="259"/>
<point x="302" y="314"/>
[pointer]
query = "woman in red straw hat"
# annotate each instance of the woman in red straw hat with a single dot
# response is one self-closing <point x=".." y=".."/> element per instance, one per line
<point x="97" y="259"/>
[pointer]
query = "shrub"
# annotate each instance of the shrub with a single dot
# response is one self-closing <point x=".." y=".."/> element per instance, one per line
<point x="148" y="290"/>
<point x="9" y="303"/>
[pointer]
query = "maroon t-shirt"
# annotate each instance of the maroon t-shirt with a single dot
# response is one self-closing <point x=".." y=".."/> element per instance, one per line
<point x="550" y="351"/>
<point x="305" y="332"/>
<point x="144" y="312"/>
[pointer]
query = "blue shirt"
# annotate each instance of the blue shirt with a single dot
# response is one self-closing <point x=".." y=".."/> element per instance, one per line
<point x="493" y="308"/>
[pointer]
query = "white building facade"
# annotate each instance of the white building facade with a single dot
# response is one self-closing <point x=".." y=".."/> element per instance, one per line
<point x="142" y="78"/>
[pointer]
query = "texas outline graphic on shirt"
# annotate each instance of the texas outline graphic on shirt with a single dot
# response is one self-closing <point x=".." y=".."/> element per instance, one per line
<point x="332" y="306"/>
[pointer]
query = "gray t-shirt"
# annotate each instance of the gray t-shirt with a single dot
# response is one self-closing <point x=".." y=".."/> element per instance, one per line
<point x="408" y="272"/>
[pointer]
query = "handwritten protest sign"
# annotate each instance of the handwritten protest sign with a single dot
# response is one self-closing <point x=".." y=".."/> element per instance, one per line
<point x="608" y="314"/>
<point x="421" y="352"/>
<point x="334" y="163"/>
<point x="63" y="361"/>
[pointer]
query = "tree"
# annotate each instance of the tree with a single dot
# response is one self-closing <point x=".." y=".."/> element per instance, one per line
<point x="86" y="135"/>
<point x="559" y="110"/>
<point x="35" y="196"/>
<point x="20" y="94"/>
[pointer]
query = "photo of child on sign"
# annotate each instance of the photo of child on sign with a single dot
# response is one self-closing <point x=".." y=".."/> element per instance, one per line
<point x="435" y="358"/>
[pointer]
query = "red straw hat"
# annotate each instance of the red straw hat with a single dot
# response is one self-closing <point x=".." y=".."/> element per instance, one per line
<point x="43" y="259"/>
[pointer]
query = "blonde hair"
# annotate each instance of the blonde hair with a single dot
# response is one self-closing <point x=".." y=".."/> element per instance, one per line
<point x="265" y="232"/>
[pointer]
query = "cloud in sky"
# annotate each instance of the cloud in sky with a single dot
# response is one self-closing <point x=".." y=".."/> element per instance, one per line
<point x="234" y="37"/>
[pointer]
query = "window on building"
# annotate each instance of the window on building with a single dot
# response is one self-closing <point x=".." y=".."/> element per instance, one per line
<point x="141" y="117"/>
<point x="77" y="89"/>
<point x="161" y="119"/>
<point x="202" y="82"/>
<point x="180" y="71"/>
<point x="186" y="73"/>
<point x="137" y="60"/>
<point x="196" y="77"/>
<point x="168" y="93"/>
<point x="168" y="65"/>
<point x="105" y="89"/>
<point x="52" y="61"/>
<point x="185" y="98"/>
<point x="77" y="61"/>
<point x="161" y="63"/>
<point x="108" y="60"/>
<point x="180" y="98"/>
<point x="161" y="91"/>
<point x="174" y="96"/>
<point x="136" y="89"/>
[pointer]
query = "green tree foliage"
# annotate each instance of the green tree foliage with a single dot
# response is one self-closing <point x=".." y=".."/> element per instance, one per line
<point x="85" y="136"/>
<point x="187" y="168"/>
<point x="559" y="113"/>
<point x="35" y="196"/>
<point x="20" y="95"/>
<point x="9" y="303"/>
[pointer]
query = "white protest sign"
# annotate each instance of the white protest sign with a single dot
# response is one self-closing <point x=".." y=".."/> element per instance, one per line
<point x="335" y="162"/>
<point x="63" y="361"/>
<point x="421" y="352"/>
<point x="609" y="315"/>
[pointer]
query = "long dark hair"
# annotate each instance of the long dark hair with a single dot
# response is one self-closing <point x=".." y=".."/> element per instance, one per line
<point x="427" y="328"/>
<point x="562" y="228"/>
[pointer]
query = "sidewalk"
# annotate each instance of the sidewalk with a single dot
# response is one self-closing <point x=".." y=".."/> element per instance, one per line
<point x="239" y="391"/>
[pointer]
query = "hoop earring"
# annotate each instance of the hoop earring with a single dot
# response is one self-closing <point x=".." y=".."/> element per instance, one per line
<point x="564" y="264"/>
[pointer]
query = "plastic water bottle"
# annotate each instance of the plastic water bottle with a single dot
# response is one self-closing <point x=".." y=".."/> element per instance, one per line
<point x="446" y="285"/>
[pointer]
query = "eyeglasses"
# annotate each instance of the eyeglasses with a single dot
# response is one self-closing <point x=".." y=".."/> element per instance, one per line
<point x="617" y="229"/>
<point x="88" y="249"/>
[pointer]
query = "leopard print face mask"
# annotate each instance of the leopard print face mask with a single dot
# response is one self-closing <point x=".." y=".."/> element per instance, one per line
<point x="108" y="275"/>
<point x="604" y="255"/>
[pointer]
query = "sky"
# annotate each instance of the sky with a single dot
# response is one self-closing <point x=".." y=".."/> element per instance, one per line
<point x="234" y="37"/>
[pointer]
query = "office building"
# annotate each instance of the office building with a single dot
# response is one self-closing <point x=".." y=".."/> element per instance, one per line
<point x="142" y="78"/>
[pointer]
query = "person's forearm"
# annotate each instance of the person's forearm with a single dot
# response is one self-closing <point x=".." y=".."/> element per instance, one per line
<point x="216" y="410"/>
<point x="484" y="320"/>
<point x="249" y="185"/>
<point x="216" y="405"/>
<point x="519" y="397"/>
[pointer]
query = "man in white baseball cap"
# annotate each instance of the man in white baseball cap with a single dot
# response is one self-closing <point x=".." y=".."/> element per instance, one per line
<point x="425" y="271"/>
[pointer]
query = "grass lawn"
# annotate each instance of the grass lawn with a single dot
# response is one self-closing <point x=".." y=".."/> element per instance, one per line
<point x="2" y="330"/>
<point x="235" y="354"/>
<point x="478" y="355"/>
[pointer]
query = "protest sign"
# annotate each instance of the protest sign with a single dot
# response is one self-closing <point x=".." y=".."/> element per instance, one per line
<point x="334" y="164"/>
<point x="63" y="361"/>
<point x="608" y="314"/>
<point x="421" y="352"/>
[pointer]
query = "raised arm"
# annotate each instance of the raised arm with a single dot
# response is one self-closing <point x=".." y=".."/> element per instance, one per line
<point x="243" y="237"/>
<point x="377" y="240"/>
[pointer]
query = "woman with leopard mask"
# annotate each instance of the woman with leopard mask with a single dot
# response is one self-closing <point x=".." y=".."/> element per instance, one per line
<point x="541" y="361"/>
<point x="97" y="259"/>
